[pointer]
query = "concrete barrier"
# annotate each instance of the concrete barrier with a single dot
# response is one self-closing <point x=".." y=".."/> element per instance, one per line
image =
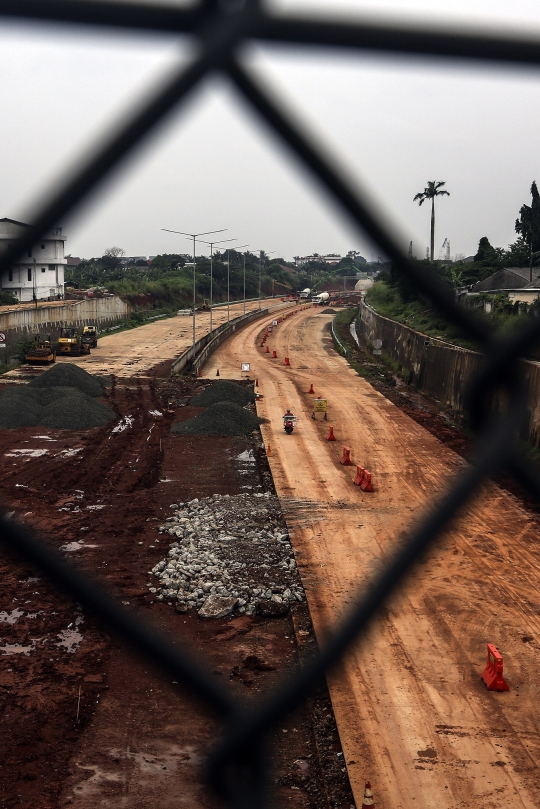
<point x="442" y="370"/>
<point x="198" y="354"/>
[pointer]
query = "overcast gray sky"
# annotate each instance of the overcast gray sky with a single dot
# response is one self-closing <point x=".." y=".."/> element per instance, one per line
<point x="392" y="124"/>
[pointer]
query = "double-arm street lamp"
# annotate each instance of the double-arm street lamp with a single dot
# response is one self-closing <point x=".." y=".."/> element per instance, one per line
<point x="229" y="281"/>
<point x="212" y="270"/>
<point x="194" y="236"/>
<point x="260" y="269"/>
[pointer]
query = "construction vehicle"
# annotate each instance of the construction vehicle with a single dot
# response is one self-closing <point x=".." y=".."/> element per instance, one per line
<point x="305" y="293"/>
<point x="42" y="352"/>
<point x="280" y="284"/>
<point x="89" y="336"/>
<point x="204" y="307"/>
<point x="321" y="299"/>
<point x="70" y="343"/>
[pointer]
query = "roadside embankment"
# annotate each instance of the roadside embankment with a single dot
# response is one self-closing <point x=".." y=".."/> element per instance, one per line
<point x="441" y="370"/>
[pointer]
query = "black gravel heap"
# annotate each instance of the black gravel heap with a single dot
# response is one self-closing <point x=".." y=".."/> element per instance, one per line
<point x="71" y="376"/>
<point x="223" y="418"/>
<point x="328" y="312"/>
<point x="62" y="408"/>
<point x="223" y="391"/>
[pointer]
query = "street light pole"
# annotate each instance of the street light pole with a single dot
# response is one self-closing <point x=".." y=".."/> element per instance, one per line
<point x="229" y="281"/>
<point x="194" y="236"/>
<point x="260" y="270"/>
<point x="212" y="270"/>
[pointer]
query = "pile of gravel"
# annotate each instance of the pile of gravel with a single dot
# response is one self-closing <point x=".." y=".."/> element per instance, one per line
<point x="329" y="312"/>
<point x="223" y="418"/>
<point x="223" y="391"/>
<point x="58" y="407"/>
<point x="67" y="375"/>
<point x="229" y="548"/>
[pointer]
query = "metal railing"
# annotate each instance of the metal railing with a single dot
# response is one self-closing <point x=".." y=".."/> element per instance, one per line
<point x="238" y="768"/>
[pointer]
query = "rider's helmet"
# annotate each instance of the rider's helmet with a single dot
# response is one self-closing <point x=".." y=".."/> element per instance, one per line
<point x="288" y="412"/>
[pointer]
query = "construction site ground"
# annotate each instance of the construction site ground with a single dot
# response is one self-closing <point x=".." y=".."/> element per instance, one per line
<point x="85" y="723"/>
<point x="413" y="715"/>
<point x="154" y="345"/>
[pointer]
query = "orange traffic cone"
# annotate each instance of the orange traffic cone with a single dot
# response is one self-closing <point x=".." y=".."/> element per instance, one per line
<point x="274" y="355"/>
<point x="286" y="361"/>
<point x="217" y="372"/>
<point x="268" y="451"/>
<point x="311" y="389"/>
<point x="267" y="350"/>
<point x="199" y="373"/>
<point x="330" y="436"/>
<point x="368" y="796"/>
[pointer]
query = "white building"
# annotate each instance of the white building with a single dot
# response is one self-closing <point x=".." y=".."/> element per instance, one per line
<point x="39" y="275"/>
<point x="331" y="258"/>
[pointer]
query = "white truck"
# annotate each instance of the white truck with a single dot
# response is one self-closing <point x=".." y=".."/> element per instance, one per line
<point x="321" y="299"/>
<point x="305" y="293"/>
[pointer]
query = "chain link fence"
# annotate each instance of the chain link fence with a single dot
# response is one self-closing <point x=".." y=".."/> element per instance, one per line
<point x="238" y="768"/>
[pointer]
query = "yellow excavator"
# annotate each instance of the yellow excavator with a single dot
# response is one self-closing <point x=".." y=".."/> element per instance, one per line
<point x="42" y="352"/>
<point x="89" y="336"/>
<point x="70" y="343"/>
<point x="292" y="294"/>
<point x="204" y="307"/>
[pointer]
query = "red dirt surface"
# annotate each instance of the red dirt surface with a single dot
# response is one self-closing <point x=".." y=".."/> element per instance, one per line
<point x="84" y="722"/>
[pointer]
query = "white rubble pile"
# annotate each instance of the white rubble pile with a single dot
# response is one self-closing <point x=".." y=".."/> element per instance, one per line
<point x="230" y="553"/>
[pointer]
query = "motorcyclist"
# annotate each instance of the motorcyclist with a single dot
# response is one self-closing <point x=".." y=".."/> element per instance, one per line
<point x="288" y="416"/>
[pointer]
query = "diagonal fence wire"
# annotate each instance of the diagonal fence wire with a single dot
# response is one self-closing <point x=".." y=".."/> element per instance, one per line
<point x="238" y="770"/>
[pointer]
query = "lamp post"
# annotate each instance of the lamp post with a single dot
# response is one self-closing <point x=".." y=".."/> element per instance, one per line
<point x="247" y="245"/>
<point x="212" y="270"/>
<point x="229" y="281"/>
<point x="260" y="269"/>
<point x="194" y="236"/>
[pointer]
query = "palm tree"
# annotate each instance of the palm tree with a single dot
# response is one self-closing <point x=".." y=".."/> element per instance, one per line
<point x="430" y="192"/>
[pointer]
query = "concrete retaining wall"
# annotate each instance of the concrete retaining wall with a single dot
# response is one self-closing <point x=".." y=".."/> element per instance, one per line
<point x="28" y="321"/>
<point x="203" y="348"/>
<point x="442" y="370"/>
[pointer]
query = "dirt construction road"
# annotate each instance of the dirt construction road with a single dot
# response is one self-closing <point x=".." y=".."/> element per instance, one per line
<point x="155" y="343"/>
<point x="412" y="712"/>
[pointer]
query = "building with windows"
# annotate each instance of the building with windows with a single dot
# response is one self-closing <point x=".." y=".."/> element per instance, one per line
<point x="331" y="258"/>
<point x="39" y="275"/>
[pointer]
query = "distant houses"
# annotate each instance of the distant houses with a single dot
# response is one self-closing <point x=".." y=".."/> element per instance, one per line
<point x="514" y="281"/>
<point x="39" y="275"/>
<point x="332" y="259"/>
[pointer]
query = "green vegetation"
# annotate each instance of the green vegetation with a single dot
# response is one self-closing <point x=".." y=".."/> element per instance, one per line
<point x="7" y="299"/>
<point x="167" y="284"/>
<point x="416" y="312"/>
<point x="22" y="347"/>
<point x="433" y="189"/>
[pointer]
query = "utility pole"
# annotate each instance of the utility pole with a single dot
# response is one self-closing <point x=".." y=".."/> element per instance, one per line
<point x="194" y="236"/>
<point x="260" y="269"/>
<point x="34" y="284"/>
<point x="212" y="270"/>
<point x="229" y="281"/>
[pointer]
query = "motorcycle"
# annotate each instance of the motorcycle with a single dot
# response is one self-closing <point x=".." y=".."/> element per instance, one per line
<point x="289" y="423"/>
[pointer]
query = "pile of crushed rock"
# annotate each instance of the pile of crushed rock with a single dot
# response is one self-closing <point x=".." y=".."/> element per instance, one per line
<point x="62" y="398"/>
<point x="230" y="554"/>
<point x="223" y="418"/>
<point x="223" y="390"/>
<point x="68" y="375"/>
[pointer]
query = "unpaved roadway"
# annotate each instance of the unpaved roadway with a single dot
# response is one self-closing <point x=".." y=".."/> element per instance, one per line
<point x="127" y="354"/>
<point x="412" y="712"/>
